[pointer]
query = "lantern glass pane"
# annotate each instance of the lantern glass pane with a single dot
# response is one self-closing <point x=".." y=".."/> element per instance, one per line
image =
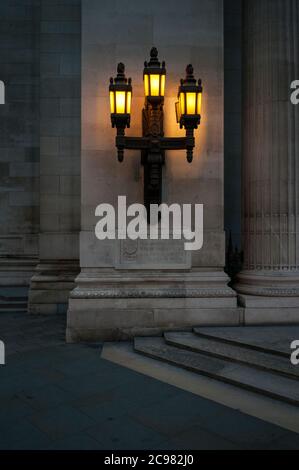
<point x="129" y="100"/>
<point x="120" y="102"/>
<point x="162" y="85"/>
<point x="178" y="111"/>
<point x="155" y="84"/>
<point x="146" y="85"/>
<point x="199" y="96"/>
<point x="112" y="102"/>
<point x="182" y="103"/>
<point x="191" y="103"/>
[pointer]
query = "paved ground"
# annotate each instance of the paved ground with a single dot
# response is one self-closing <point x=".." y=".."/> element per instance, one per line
<point x="58" y="396"/>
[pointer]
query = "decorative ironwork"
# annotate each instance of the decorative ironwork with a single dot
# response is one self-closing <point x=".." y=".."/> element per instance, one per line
<point x="153" y="143"/>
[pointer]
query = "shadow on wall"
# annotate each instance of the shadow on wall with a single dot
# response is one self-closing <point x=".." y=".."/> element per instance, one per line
<point x="232" y="123"/>
<point x="233" y="260"/>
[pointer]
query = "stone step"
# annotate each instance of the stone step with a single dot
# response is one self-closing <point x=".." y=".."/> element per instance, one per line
<point x="15" y="310"/>
<point x="266" y="383"/>
<point x="13" y="292"/>
<point x="233" y="353"/>
<point x="13" y="306"/>
<point x="262" y="338"/>
<point x="13" y="299"/>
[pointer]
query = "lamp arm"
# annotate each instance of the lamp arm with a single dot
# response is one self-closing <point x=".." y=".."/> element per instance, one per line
<point x="180" y="143"/>
<point x="130" y="143"/>
<point x="163" y="143"/>
<point x="173" y="143"/>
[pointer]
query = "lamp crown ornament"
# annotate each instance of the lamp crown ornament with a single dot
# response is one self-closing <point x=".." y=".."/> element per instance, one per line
<point x="154" y="52"/>
<point x="153" y="143"/>
<point x="121" y="69"/>
<point x="189" y="72"/>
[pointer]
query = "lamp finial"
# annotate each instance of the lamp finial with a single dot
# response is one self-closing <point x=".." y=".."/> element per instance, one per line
<point x="154" y="53"/>
<point x="189" y="71"/>
<point x="121" y="69"/>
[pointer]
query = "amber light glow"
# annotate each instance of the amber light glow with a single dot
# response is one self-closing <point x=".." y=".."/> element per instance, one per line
<point x="129" y="101"/>
<point x="120" y="102"/>
<point x="112" y="102"/>
<point x="154" y="85"/>
<point x="189" y="104"/>
<point x="199" y="101"/>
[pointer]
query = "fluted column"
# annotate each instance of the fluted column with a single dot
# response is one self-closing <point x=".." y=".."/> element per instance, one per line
<point x="269" y="284"/>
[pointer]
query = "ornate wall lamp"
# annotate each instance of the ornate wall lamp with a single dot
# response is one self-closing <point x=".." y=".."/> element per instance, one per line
<point x="153" y="143"/>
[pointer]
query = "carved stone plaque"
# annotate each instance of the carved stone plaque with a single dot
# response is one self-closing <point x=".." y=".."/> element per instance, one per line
<point x="152" y="254"/>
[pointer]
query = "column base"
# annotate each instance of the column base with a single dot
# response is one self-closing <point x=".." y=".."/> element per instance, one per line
<point x="269" y="297"/>
<point x="51" y="285"/>
<point x="109" y="305"/>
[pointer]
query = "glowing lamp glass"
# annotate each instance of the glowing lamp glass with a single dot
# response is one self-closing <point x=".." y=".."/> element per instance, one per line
<point x="199" y="100"/>
<point x="146" y="85"/>
<point x="182" y="103"/>
<point x="191" y="103"/>
<point x="120" y="101"/>
<point x="154" y="84"/>
<point x="178" y="112"/>
<point x="129" y="101"/>
<point x="162" y="92"/>
<point x="112" y="102"/>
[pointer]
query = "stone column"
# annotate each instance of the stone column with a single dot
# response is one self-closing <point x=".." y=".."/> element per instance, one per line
<point x="269" y="285"/>
<point x="60" y="72"/>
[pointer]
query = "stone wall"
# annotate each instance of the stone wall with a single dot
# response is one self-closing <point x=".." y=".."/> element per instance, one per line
<point x="19" y="140"/>
<point x="125" y="31"/>
<point x="60" y="111"/>
<point x="60" y="72"/>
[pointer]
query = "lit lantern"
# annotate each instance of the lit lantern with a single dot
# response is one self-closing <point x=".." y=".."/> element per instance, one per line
<point x="120" y="91"/>
<point x="154" y="77"/>
<point x="188" y="107"/>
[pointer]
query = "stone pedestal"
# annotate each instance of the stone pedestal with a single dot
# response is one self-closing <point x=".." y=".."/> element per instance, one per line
<point x="269" y="285"/>
<point x="137" y="288"/>
<point x="113" y="305"/>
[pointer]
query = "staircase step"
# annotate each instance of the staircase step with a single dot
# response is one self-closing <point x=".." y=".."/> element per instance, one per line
<point x="14" y="310"/>
<point x="13" y="299"/>
<point x="12" y="305"/>
<point x="232" y="353"/>
<point x="266" y="383"/>
<point x="262" y="338"/>
<point x="13" y="292"/>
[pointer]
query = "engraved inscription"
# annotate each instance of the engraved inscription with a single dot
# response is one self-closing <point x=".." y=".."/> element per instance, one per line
<point x="152" y="254"/>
